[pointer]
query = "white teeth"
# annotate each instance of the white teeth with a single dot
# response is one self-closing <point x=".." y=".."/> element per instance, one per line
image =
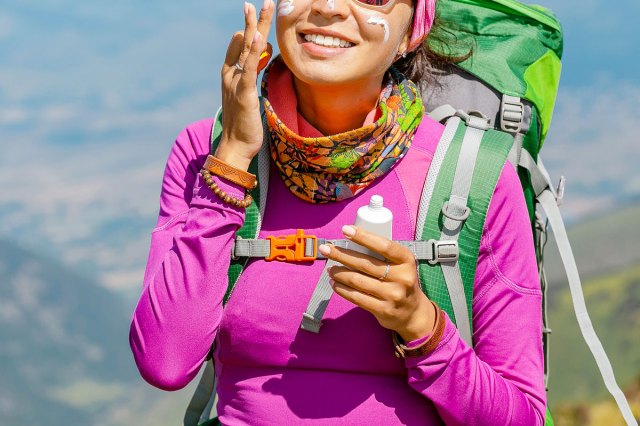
<point x="326" y="41"/>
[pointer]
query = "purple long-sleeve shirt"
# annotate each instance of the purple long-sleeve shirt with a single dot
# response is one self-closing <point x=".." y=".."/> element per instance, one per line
<point x="269" y="371"/>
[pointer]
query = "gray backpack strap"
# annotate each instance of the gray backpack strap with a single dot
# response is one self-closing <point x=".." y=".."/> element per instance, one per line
<point x="203" y="399"/>
<point x="548" y="200"/>
<point x="312" y="317"/>
<point x="427" y="191"/>
<point x="455" y="213"/>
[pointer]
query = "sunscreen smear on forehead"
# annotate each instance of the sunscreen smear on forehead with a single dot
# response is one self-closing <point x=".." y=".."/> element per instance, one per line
<point x="374" y="218"/>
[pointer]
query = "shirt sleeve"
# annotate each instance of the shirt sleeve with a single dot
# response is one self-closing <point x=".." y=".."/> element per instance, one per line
<point x="179" y="310"/>
<point x="500" y="380"/>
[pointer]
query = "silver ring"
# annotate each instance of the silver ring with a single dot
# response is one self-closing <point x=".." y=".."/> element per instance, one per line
<point x="386" y="272"/>
<point x="239" y="67"/>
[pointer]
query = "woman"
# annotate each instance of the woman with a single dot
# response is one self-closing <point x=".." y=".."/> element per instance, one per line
<point x="334" y="78"/>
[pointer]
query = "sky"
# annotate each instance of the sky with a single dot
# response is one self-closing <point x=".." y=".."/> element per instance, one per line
<point x="93" y="93"/>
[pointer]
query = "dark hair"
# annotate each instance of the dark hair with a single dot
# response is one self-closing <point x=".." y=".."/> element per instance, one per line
<point x="438" y="53"/>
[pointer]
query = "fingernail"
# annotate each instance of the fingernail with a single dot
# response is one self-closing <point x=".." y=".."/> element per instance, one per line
<point x="257" y="36"/>
<point x="329" y="270"/>
<point x="266" y="4"/>
<point x="246" y="8"/>
<point x="349" y="231"/>
<point x="324" y="249"/>
<point x="332" y="283"/>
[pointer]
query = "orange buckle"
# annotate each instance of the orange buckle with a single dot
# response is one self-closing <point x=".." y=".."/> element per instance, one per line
<point x="293" y="248"/>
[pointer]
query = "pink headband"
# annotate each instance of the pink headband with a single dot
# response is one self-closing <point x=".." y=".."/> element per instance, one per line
<point x="422" y="20"/>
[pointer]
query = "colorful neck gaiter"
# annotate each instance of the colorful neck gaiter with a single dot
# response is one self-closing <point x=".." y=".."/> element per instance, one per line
<point x="334" y="168"/>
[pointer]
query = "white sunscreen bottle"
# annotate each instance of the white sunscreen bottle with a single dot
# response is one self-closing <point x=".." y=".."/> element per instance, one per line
<point x="376" y="219"/>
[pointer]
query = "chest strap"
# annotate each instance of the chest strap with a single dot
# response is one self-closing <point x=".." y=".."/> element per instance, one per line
<point x="300" y="247"/>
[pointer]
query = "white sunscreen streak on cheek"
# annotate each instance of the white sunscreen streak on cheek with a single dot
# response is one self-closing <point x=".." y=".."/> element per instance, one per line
<point x="379" y="20"/>
<point x="285" y="7"/>
<point x="331" y="4"/>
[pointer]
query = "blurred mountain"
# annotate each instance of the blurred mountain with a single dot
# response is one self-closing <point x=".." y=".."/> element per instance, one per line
<point x="601" y="244"/>
<point x="65" y="357"/>
<point x="61" y="336"/>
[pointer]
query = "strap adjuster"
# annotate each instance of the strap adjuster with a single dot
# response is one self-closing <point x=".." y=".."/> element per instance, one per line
<point x="293" y="248"/>
<point x="455" y="211"/>
<point x="511" y="114"/>
<point x="444" y="252"/>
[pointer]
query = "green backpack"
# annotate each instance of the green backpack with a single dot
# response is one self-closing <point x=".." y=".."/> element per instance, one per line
<point x="497" y="106"/>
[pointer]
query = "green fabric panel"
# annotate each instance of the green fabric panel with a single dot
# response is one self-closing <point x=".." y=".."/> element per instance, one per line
<point x="491" y="159"/>
<point x="548" y="421"/>
<point x="507" y="38"/>
<point x="493" y="153"/>
<point x="542" y="78"/>
<point x="212" y="422"/>
<point x="248" y="229"/>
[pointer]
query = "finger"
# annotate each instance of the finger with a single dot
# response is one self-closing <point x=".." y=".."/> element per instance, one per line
<point x="363" y="300"/>
<point x="266" y="16"/>
<point x="250" y="30"/>
<point x="233" y="51"/>
<point x="388" y="249"/>
<point x="354" y="260"/>
<point x="358" y="281"/>
<point x="250" y="73"/>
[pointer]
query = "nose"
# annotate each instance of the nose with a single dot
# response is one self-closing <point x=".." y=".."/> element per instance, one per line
<point x="330" y="8"/>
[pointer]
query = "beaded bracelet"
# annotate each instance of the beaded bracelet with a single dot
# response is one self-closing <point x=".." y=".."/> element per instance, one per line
<point x="208" y="179"/>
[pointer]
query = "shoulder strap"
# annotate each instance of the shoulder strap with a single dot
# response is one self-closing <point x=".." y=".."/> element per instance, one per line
<point x="204" y="397"/>
<point x="460" y="184"/>
<point x="255" y="212"/>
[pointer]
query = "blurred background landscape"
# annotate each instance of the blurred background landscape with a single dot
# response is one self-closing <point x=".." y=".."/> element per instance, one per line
<point x="92" y="95"/>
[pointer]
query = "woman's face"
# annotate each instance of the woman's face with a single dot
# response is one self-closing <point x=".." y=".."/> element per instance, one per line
<point x="329" y="42"/>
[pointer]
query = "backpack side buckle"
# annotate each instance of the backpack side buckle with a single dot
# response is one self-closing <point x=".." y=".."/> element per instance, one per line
<point x="511" y="114"/>
<point x="444" y="252"/>
<point x="296" y="247"/>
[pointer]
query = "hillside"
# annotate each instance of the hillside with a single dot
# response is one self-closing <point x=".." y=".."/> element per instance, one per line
<point x="601" y="244"/>
<point x="603" y="412"/>
<point x="65" y="355"/>
<point x="609" y="260"/>
<point x="61" y="337"/>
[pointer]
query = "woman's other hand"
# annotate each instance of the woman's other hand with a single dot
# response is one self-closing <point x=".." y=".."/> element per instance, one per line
<point x="394" y="297"/>
<point x="242" y="125"/>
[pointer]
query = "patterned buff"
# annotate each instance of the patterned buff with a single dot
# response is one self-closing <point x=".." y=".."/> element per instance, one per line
<point x="333" y="168"/>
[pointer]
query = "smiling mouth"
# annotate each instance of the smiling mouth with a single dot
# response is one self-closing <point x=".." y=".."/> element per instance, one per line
<point x="327" y="41"/>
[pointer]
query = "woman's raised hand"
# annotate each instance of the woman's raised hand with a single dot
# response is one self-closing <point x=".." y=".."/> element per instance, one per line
<point x="242" y="125"/>
<point x="389" y="289"/>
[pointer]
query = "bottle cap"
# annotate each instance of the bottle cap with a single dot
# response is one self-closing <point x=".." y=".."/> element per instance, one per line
<point x="376" y="202"/>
